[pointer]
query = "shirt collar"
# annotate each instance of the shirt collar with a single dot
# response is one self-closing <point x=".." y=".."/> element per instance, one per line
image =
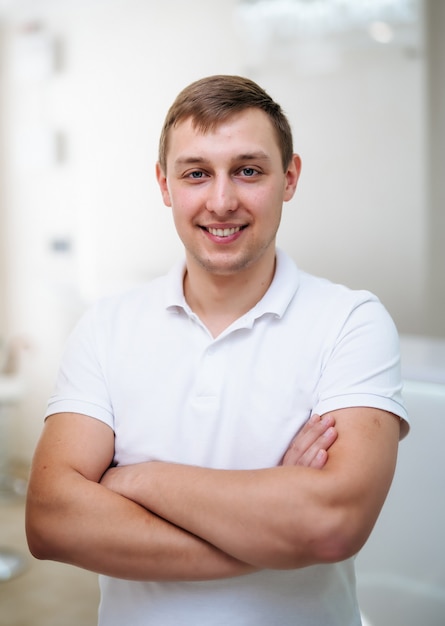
<point x="284" y="285"/>
<point x="275" y="301"/>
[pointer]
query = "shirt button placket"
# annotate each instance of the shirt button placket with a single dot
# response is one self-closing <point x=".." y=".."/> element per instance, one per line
<point x="208" y="376"/>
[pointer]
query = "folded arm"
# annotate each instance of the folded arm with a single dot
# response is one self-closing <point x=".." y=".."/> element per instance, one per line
<point x="285" y="517"/>
<point x="72" y="518"/>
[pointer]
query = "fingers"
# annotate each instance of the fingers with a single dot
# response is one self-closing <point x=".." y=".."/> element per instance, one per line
<point x="319" y="459"/>
<point x="309" y="447"/>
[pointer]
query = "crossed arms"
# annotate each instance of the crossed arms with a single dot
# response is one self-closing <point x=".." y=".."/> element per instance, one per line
<point x="162" y="521"/>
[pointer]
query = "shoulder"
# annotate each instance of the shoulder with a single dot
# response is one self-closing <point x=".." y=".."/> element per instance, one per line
<point x="115" y="316"/>
<point x="316" y="290"/>
<point x="334" y="305"/>
<point x="145" y="299"/>
<point x="319" y="289"/>
<point x="326" y="309"/>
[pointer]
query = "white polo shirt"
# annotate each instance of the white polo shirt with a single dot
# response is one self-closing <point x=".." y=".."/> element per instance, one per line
<point x="144" y="364"/>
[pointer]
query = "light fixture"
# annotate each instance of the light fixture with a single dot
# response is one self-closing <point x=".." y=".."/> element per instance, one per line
<point x="306" y="18"/>
<point x="381" y="32"/>
<point x="315" y="36"/>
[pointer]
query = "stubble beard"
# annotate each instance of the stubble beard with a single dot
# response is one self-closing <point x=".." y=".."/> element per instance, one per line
<point x="234" y="263"/>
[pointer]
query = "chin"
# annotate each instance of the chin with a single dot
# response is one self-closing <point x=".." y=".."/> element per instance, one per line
<point x="225" y="267"/>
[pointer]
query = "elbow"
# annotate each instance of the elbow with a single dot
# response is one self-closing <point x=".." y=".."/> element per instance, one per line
<point x="332" y="538"/>
<point x="336" y="547"/>
<point x="330" y="535"/>
<point x="38" y="543"/>
<point x="341" y="538"/>
<point x="37" y="548"/>
<point x="39" y="534"/>
<point x="43" y="547"/>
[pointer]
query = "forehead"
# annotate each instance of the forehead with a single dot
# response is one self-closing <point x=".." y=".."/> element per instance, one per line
<point x="247" y="131"/>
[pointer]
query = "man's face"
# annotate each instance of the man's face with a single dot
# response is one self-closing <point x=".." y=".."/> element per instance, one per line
<point x="226" y="189"/>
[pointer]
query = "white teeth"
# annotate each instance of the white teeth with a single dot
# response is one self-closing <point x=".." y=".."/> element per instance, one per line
<point x="223" y="232"/>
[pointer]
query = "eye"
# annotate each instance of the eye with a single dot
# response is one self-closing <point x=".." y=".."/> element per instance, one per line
<point x="248" y="172"/>
<point x="195" y="175"/>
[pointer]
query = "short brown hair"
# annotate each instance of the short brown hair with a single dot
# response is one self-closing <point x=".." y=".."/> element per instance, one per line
<point x="212" y="100"/>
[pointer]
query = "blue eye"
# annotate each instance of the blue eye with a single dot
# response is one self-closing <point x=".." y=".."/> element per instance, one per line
<point x="249" y="171"/>
<point x="196" y="175"/>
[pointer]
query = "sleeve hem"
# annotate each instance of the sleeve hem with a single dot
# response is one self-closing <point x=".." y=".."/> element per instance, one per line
<point x="80" y="406"/>
<point x="366" y="400"/>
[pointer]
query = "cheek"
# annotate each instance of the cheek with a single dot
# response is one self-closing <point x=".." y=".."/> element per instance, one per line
<point x="268" y="207"/>
<point x="263" y="198"/>
<point x="182" y="211"/>
<point x="185" y="204"/>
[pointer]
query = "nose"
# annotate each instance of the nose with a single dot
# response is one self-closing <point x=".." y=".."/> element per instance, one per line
<point x="222" y="196"/>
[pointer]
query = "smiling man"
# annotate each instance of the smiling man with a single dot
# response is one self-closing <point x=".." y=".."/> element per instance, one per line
<point x="226" y="189"/>
<point x="183" y="457"/>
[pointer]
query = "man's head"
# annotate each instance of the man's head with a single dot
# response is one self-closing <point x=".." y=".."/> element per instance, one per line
<point x="213" y="100"/>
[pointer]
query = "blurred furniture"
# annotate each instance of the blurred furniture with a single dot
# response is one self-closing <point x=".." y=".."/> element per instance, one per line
<point x="401" y="570"/>
<point x="11" y="390"/>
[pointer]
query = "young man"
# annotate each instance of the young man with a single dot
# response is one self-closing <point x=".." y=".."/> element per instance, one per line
<point x="182" y="456"/>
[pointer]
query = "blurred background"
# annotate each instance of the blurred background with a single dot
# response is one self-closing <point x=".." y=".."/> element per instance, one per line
<point x="85" y="85"/>
<point x="84" y="88"/>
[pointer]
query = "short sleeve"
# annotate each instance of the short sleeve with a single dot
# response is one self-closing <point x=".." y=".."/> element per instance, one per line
<point x="81" y="385"/>
<point x="363" y="366"/>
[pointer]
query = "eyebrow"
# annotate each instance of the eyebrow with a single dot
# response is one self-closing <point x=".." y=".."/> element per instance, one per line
<point x="253" y="156"/>
<point x="247" y="156"/>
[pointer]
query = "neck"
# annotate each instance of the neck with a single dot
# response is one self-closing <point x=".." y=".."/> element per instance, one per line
<point x="220" y="299"/>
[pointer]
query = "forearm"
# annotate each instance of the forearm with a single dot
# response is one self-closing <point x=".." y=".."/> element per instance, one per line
<point x="99" y="530"/>
<point x="248" y="514"/>
<point x="252" y="515"/>
<point x="284" y="517"/>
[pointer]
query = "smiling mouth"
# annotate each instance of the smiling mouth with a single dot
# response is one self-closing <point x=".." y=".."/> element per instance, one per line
<point x="223" y="232"/>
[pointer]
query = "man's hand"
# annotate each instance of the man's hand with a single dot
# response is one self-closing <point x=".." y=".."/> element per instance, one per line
<point x="310" y="445"/>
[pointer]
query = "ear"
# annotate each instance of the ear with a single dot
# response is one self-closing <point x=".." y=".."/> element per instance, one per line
<point x="291" y="176"/>
<point x="162" y="182"/>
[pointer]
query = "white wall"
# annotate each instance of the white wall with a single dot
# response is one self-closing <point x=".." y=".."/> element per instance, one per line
<point x="121" y="64"/>
<point x="3" y="259"/>
<point x="435" y="51"/>
<point x="358" y="218"/>
<point x="360" y="215"/>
